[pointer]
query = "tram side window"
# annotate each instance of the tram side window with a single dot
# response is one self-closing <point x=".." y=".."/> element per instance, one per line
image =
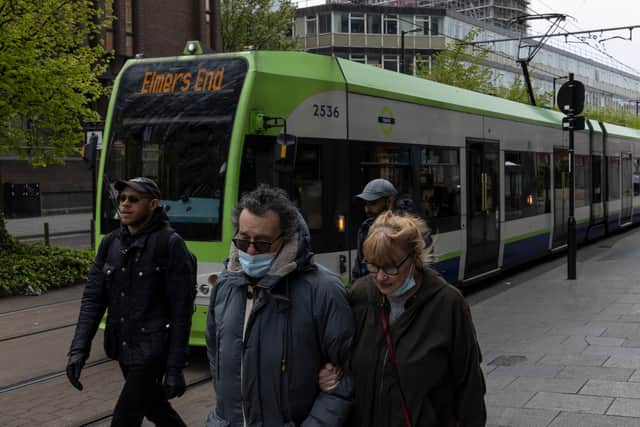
<point x="581" y="180"/>
<point x="427" y="179"/>
<point x="527" y="184"/>
<point x="596" y="178"/>
<point x="636" y="177"/>
<point x="614" y="178"/>
<point x="439" y="188"/>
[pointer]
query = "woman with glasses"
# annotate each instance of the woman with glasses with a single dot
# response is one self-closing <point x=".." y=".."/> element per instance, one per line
<point x="416" y="360"/>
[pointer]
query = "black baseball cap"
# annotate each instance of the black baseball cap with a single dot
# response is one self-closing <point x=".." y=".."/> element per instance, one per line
<point x="377" y="189"/>
<point x="141" y="184"/>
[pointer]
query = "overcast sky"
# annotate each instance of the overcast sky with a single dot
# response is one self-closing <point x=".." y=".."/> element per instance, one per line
<point x="597" y="14"/>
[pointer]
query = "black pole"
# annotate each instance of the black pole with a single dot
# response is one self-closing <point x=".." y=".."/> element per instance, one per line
<point x="527" y="80"/>
<point x="553" y="100"/>
<point x="637" y="102"/>
<point x="571" y="256"/>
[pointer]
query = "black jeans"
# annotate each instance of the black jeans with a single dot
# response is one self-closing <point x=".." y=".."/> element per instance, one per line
<point x="143" y="396"/>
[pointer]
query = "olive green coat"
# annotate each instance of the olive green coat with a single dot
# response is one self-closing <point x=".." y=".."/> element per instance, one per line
<point x="437" y="354"/>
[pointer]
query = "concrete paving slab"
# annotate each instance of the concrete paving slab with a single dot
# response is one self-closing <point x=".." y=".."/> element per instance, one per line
<point x="596" y="373"/>
<point x="625" y="407"/>
<point x="520" y="417"/>
<point x="557" y="385"/>
<point x="569" y="402"/>
<point x="612" y="389"/>
<point x="574" y="419"/>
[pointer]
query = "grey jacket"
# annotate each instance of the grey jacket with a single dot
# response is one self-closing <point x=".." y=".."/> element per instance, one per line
<point x="300" y="320"/>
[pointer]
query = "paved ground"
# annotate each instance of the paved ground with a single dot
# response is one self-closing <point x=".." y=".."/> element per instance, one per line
<point x="58" y="224"/>
<point x="567" y="353"/>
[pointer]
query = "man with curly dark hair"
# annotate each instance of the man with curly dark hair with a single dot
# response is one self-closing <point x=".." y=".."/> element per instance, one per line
<point x="275" y="319"/>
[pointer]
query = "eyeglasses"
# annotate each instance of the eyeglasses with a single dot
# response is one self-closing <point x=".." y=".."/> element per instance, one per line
<point x="261" y="246"/>
<point x="132" y="199"/>
<point x="389" y="270"/>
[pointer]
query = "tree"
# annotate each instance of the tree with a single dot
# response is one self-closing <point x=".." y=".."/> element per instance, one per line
<point x="50" y="60"/>
<point x="518" y="92"/>
<point x="616" y="116"/>
<point x="263" y="24"/>
<point x="456" y="66"/>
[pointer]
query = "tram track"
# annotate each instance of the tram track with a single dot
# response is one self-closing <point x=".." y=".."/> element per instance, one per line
<point x="40" y="331"/>
<point x="102" y="418"/>
<point x="37" y="307"/>
<point x="46" y="377"/>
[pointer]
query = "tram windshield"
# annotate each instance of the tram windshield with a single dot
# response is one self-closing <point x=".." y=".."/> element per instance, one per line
<point x="172" y="122"/>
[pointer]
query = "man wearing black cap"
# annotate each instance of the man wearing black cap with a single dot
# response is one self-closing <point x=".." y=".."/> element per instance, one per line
<point x="378" y="196"/>
<point x="143" y="273"/>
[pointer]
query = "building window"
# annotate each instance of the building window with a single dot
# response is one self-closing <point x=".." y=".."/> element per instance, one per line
<point x="373" y="59"/>
<point x="435" y="28"/>
<point x="391" y="24"/>
<point x="325" y="23"/>
<point x="390" y="62"/>
<point x="341" y="23"/>
<point x="406" y="23"/>
<point x="357" y="23"/>
<point x="422" y="22"/>
<point x="357" y="58"/>
<point x="128" y="28"/>
<point x="374" y="25"/>
<point x="311" y="25"/>
<point x="207" y="22"/>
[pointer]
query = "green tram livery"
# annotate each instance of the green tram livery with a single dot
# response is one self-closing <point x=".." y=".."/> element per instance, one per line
<point x="489" y="175"/>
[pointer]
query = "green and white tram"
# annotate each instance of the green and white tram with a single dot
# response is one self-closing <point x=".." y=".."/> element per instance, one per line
<point x="489" y="175"/>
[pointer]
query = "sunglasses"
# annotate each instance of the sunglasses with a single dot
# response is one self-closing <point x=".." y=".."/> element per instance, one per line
<point x="261" y="246"/>
<point x="132" y="199"/>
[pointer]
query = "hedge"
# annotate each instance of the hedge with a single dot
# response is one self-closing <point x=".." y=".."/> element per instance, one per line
<point x="27" y="268"/>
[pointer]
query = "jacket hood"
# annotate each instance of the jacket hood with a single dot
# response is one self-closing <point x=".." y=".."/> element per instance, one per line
<point x="295" y="255"/>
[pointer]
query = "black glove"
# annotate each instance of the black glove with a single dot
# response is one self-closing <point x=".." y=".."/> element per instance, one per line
<point x="74" y="367"/>
<point x="174" y="385"/>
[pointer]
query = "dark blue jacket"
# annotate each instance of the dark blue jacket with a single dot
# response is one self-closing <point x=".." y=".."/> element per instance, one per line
<point x="300" y="320"/>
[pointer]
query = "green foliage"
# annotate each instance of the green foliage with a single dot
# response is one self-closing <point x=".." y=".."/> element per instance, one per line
<point x="518" y="92"/>
<point x="264" y="24"/>
<point x="459" y="65"/>
<point x="618" y="117"/>
<point x="50" y="61"/>
<point x="37" y="266"/>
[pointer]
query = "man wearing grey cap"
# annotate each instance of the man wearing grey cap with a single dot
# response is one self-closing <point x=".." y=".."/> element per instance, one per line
<point x="378" y="195"/>
<point x="144" y="274"/>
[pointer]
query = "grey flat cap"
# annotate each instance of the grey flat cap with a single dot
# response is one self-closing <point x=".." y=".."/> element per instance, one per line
<point x="377" y="189"/>
<point x="141" y="184"/>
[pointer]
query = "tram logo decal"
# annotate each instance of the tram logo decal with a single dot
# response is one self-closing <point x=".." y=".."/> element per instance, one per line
<point x="386" y="120"/>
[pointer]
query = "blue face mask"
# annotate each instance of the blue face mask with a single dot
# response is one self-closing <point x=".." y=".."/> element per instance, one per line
<point x="406" y="287"/>
<point x="257" y="265"/>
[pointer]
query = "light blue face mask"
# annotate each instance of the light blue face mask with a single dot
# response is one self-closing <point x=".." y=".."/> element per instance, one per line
<point x="406" y="287"/>
<point x="257" y="265"/>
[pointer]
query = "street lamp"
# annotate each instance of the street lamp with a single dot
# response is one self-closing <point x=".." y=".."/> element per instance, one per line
<point x="403" y="69"/>
<point x="553" y="101"/>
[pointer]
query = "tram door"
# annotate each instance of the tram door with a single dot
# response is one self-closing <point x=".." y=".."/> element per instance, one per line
<point x="483" y="207"/>
<point x="560" y="196"/>
<point x="627" y="189"/>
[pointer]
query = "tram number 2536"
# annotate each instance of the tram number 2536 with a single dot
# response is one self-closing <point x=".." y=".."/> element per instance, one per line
<point x="321" y="110"/>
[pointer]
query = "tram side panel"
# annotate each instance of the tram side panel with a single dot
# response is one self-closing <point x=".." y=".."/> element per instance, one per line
<point x="526" y="216"/>
<point x="421" y="150"/>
